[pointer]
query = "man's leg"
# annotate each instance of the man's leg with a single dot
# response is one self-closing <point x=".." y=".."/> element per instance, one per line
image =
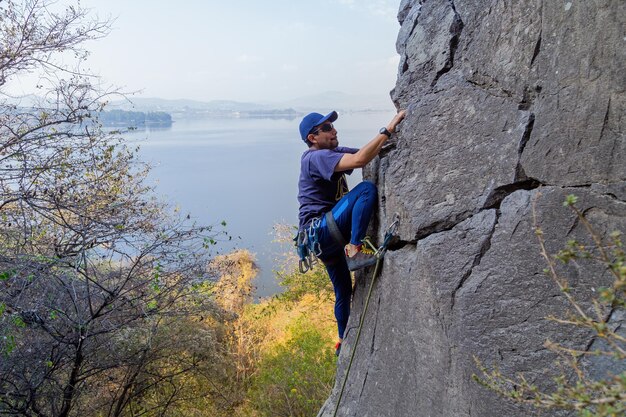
<point x="342" y="284"/>
<point x="353" y="212"/>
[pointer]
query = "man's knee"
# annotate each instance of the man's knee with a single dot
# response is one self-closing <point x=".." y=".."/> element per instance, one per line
<point x="368" y="187"/>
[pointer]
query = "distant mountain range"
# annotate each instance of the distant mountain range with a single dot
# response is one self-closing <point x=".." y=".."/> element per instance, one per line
<point x="332" y="100"/>
<point x="183" y="108"/>
<point x="160" y="104"/>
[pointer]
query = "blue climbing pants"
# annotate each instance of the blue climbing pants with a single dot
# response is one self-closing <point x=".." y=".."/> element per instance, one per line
<point x="352" y="214"/>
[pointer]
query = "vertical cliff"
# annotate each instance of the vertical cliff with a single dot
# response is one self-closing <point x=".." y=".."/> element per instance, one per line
<point x="507" y="100"/>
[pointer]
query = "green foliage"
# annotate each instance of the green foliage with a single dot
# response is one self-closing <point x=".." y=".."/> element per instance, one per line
<point x="10" y="331"/>
<point x="295" y="378"/>
<point x="272" y="357"/>
<point x="315" y="281"/>
<point x="605" y="397"/>
<point x="19" y="322"/>
<point x="8" y="344"/>
<point x="570" y="200"/>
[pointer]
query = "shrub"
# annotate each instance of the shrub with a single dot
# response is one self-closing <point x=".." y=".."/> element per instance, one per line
<point x="295" y="378"/>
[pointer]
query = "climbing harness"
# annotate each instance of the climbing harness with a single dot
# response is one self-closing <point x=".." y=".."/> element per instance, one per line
<point x="334" y="230"/>
<point x="308" y="245"/>
<point x="379" y="253"/>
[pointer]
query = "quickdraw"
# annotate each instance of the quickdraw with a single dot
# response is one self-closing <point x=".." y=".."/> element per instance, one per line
<point x="389" y="234"/>
<point x="314" y="244"/>
<point x="308" y="246"/>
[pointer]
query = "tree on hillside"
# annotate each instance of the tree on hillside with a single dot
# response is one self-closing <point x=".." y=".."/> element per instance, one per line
<point x="94" y="275"/>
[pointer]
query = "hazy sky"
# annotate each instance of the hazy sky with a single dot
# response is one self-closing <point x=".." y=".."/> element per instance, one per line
<point x="247" y="50"/>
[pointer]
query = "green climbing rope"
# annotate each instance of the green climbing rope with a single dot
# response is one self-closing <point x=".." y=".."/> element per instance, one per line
<point x="379" y="253"/>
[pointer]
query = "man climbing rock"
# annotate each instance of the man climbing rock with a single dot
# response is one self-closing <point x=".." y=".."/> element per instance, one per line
<point x="330" y="215"/>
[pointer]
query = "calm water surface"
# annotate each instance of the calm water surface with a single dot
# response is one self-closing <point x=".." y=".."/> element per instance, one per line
<point x="242" y="171"/>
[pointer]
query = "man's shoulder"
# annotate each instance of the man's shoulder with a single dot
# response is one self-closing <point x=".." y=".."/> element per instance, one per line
<point x="321" y="161"/>
<point x="319" y="153"/>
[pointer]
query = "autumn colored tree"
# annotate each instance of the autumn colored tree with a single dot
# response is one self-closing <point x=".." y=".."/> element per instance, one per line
<point x="95" y="275"/>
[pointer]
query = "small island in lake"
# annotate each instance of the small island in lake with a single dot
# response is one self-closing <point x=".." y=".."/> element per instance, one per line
<point x="135" y="118"/>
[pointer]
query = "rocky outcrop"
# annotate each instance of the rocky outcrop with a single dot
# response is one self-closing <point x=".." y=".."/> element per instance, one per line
<point x="511" y="103"/>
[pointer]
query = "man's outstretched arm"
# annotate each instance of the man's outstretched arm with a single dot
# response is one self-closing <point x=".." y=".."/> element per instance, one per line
<point x="369" y="151"/>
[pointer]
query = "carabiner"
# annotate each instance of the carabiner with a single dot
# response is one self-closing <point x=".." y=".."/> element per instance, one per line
<point x="391" y="230"/>
<point x="317" y="249"/>
<point x="303" y="266"/>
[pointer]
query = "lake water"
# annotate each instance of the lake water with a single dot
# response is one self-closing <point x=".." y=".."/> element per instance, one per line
<point x="242" y="171"/>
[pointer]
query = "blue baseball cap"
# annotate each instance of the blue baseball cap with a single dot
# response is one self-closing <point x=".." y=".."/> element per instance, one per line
<point x="314" y="119"/>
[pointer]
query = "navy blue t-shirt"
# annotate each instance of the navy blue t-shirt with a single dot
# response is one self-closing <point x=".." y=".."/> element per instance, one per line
<point x="320" y="187"/>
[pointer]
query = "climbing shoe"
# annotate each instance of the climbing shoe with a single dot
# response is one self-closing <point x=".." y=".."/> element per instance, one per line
<point x="360" y="260"/>
<point x="337" y="348"/>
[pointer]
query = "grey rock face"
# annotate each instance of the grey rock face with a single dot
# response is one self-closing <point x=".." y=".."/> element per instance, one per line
<point x="511" y="104"/>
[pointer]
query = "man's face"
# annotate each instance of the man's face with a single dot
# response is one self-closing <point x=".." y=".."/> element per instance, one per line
<point x="324" y="136"/>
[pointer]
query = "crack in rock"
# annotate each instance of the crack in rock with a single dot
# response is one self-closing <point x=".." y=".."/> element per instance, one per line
<point x="614" y="197"/>
<point x="417" y="15"/>
<point x="598" y="189"/>
<point x="539" y="38"/>
<point x="484" y="248"/>
<point x="455" y="29"/>
<point x="537" y="49"/>
<point x="520" y="174"/>
<point x="489" y="86"/>
<point x="443" y="225"/>
<point x="606" y="119"/>
<point x="608" y="318"/>
<point x="364" y="382"/>
<point x="397" y="244"/>
<point x="404" y="10"/>
<point x="498" y="194"/>
<point x="412" y="14"/>
<point x="405" y="66"/>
